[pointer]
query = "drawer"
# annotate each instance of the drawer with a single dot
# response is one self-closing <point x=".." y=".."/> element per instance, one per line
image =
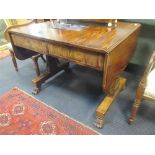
<point x="57" y="50"/>
<point x="79" y="56"/>
<point x="31" y="44"/>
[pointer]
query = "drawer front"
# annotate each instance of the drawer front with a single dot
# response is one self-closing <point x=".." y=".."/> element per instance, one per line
<point x="31" y="44"/>
<point x="80" y="56"/>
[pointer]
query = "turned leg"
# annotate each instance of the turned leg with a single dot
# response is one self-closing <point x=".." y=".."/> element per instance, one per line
<point x="134" y="110"/>
<point x="14" y="60"/>
<point x="36" y="88"/>
<point x="137" y="102"/>
<point x="36" y="65"/>
<point x="102" y="109"/>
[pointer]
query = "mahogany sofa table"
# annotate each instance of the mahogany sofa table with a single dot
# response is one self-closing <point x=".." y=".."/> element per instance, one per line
<point x="106" y="49"/>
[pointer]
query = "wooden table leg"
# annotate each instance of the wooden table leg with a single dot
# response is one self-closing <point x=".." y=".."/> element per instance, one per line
<point x="107" y="101"/>
<point x="138" y="100"/>
<point x="134" y="110"/>
<point x="14" y="60"/>
<point x="36" y="65"/>
<point x="53" y="67"/>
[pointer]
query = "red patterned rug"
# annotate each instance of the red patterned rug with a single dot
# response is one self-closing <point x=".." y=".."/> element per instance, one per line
<point x="4" y="54"/>
<point x="21" y="114"/>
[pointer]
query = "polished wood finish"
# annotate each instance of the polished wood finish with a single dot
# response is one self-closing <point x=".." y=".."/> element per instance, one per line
<point x="117" y="60"/>
<point x="140" y="93"/>
<point x="79" y="56"/>
<point x="100" y="39"/>
<point x="107" y="49"/>
<point x="21" y="53"/>
<point x="106" y="103"/>
<point x="31" y="44"/>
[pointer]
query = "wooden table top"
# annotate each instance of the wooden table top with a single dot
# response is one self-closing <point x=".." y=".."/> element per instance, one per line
<point x="101" y="39"/>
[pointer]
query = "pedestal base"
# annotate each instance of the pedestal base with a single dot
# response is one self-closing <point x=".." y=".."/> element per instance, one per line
<point x="53" y="67"/>
<point x="106" y="103"/>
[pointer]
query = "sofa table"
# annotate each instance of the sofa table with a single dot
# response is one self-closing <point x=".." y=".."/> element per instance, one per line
<point x="106" y="49"/>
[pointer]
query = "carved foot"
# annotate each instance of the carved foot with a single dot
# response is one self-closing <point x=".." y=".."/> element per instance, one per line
<point x="36" y="91"/>
<point x="99" y="123"/>
<point x="107" y="102"/>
